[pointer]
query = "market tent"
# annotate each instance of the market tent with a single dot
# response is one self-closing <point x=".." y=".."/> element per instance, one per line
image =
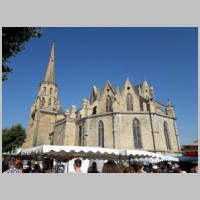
<point x="170" y="158"/>
<point x="147" y="160"/>
<point x="64" y="153"/>
<point x="141" y="154"/>
<point x="187" y="158"/>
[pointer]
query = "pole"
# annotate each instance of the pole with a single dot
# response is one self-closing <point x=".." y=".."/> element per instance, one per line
<point x="67" y="166"/>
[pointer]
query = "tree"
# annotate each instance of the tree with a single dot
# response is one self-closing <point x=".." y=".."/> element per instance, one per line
<point x="13" y="41"/>
<point x="5" y="140"/>
<point x="13" y="138"/>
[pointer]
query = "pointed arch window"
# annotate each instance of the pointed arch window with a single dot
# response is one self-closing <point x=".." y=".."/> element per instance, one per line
<point x="81" y="141"/>
<point x="51" y="89"/>
<point x="49" y="103"/>
<point x="43" y="101"/>
<point x="101" y="134"/>
<point x="167" y="139"/>
<point x="137" y="134"/>
<point x="129" y="102"/>
<point x="44" y="90"/>
<point x="148" y="107"/>
<point x="108" y="104"/>
<point x="33" y="116"/>
<point x="51" y="138"/>
<point x="80" y="136"/>
<point x="94" y="112"/>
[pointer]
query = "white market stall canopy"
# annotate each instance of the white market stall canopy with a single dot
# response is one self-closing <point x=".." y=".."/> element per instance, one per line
<point x="142" y="154"/>
<point x="68" y="152"/>
<point x="148" y="160"/>
<point x="170" y="158"/>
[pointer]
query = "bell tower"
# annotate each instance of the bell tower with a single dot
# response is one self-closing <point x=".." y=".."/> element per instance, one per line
<point x="45" y="109"/>
<point x="47" y="98"/>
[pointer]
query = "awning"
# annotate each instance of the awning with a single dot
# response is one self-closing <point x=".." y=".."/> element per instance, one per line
<point x="148" y="160"/>
<point x="70" y="152"/>
<point x="142" y="154"/>
<point x="170" y="158"/>
<point x="187" y="158"/>
<point x="65" y="153"/>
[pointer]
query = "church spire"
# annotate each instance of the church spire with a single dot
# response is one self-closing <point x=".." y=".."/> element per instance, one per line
<point x="50" y="73"/>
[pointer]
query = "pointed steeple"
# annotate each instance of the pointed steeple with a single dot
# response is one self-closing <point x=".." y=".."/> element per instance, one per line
<point x="117" y="88"/>
<point x="151" y="92"/>
<point x="169" y="103"/>
<point x="127" y="77"/>
<point x="145" y="89"/>
<point x="145" y="82"/>
<point x="94" y="94"/>
<point x="109" y="85"/>
<point x="145" y="86"/>
<point x="50" y="73"/>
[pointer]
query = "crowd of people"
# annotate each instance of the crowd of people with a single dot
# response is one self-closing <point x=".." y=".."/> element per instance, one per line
<point x="16" y="166"/>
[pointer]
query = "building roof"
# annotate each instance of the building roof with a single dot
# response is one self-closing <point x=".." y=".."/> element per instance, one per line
<point x="193" y="144"/>
<point x="137" y="86"/>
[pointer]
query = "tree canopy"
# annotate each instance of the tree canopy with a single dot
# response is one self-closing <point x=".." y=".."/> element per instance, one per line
<point x="13" y="138"/>
<point x="13" y="41"/>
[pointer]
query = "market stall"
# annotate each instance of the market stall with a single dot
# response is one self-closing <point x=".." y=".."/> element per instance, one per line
<point x="68" y="153"/>
<point x="64" y="153"/>
<point x="170" y="158"/>
<point x="144" y="156"/>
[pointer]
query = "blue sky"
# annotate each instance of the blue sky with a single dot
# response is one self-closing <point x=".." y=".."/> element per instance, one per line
<point x="168" y="57"/>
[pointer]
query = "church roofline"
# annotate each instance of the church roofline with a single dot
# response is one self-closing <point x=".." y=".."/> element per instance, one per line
<point x="143" y="98"/>
<point x="125" y="113"/>
<point x="60" y="122"/>
<point x="137" y="86"/>
<point x="110" y="85"/>
<point x="160" y="104"/>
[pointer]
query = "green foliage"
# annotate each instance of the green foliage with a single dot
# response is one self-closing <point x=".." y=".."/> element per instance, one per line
<point x="13" y="138"/>
<point x="13" y="41"/>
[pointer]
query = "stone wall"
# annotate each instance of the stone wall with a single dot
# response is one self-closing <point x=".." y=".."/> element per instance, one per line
<point x="121" y="136"/>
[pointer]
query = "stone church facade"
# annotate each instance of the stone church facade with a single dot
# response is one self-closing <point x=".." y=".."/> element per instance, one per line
<point x="127" y="118"/>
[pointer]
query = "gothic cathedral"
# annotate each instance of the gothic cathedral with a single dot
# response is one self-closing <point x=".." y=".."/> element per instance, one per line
<point x="127" y="118"/>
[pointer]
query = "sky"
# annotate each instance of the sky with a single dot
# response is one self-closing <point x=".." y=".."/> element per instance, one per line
<point x="167" y="57"/>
